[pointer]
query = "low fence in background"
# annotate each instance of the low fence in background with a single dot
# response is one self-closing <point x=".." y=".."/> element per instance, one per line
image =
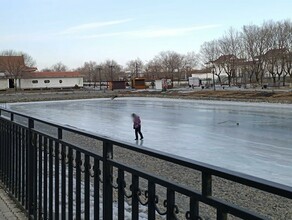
<point x="54" y="179"/>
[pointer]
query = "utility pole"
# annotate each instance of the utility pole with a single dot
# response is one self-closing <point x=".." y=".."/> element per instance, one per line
<point x="112" y="75"/>
<point x="136" y="65"/>
<point x="112" y="78"/>
<point x="99" y="72"/>
<point x="213" y="71"/>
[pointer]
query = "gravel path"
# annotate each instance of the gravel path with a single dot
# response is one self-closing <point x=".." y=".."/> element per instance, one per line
<point x="8" y="209"/>
<point x="270" y="206"/>
<point x="222" y="95"/>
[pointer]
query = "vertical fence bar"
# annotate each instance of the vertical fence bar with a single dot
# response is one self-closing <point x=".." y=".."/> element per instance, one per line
<point x="12" y="158"/>
<point x="17" y="170"/>
<point x="194" y="208"/>
<point x="23" y="165"/>
<point x="12" y="137"/>
<point x="221" y="215"/>
<point x="27" y="167"/>
<point x="1" y="147"/>
<point x="45" y="208"/>
<point x="5" y="152"/>
<point x="70" y="184"/>
<point x="57" y="177"/>
<point x="17" y="163"/>
<point x="170" y="204"/>
<point x="151" y="200"/>
<point x="51" y="192"/>
<point x="121" y="195"/>
<point x="35" y="173"/>
<point x="2" y="150"/>
<point x="107" y="185"/>
<point x="78" y="185"/>
<point x="96" y="188"/>
<point x="40" y="187"/>
<point x="11" y="146"/>
<point x="135" y="201"/>
<point x="31" y="172"/>
<point x="206" y="184"/>
<point x="63" y="182"/>
<point x="87" y="189"/>
<point x="9" y="156"/>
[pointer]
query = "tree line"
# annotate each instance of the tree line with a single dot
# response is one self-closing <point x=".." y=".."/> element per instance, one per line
<point x="252" y="54"/>
<point x="165" y="64"/>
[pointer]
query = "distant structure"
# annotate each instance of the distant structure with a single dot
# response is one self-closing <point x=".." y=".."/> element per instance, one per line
<point x="117" y="85"/>
<point x="41" y="80"/>
<point x="138" y="83"/>
<point x="15" y="74"/>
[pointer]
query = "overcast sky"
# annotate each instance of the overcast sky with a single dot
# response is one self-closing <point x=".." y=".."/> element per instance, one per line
<point x="75" y="31"/>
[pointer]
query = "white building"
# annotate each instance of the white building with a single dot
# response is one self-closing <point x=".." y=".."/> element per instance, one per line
<point x="43" y="80"/>
<point x="14" y="73"/>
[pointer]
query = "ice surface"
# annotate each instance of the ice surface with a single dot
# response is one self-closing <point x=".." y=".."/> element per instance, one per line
<point x="250" y="138"/>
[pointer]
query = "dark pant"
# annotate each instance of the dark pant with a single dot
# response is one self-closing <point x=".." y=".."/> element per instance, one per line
<point x="138" y="131"/>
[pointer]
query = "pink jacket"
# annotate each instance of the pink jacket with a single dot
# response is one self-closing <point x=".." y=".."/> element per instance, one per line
<point x="137" y="122"/>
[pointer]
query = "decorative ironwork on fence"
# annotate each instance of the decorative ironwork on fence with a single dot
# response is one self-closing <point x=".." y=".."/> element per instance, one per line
<point x="55" y="179"/>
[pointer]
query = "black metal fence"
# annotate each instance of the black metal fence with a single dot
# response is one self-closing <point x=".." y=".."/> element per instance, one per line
<point x="54" y="179"/>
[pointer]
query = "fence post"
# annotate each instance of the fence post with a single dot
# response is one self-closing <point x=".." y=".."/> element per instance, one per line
<point x="107" y="181"/>
<point x="57" y="175"/>
<point x="31" y="170"/>
<point x="206" y="184"/>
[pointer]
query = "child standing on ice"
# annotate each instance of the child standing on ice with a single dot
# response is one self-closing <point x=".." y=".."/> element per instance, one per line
<point x="137" y="126"/>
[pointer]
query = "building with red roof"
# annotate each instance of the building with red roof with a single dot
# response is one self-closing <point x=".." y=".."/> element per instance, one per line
<point x="14" y="73"/>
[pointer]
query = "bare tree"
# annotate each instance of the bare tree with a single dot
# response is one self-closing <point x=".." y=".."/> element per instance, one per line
<point x="172" y="63"/>
<point x="231" y="50"/>
<point x="288" y="64"/>
<point x="46" y="69"/>
<point x="252" y="52"/>
<point x="210" y="51"/>
<point x="15" y="64"/>
<point x="111" y="70"/>
<point x="286" y="38"/>
<point x="190" y="61"/>
<point x="228" y="63"/>
<point x="135" y="67"/>
<point x="275" y="63"/>
<point x="153" y="68"/>
<point x="59" y="67"/>
<point x="89" y="71"/>
<point x="255" y="44"/>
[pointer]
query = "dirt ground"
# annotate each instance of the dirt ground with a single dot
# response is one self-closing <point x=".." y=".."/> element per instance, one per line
<point x="223" y="95"/>
<point x="246" y="96"/>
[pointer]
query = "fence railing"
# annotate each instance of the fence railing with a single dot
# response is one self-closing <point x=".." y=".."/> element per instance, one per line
<point x="54" y="179"/>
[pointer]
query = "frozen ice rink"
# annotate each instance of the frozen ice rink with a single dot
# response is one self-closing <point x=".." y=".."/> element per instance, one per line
<point x="250" y="138"/>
